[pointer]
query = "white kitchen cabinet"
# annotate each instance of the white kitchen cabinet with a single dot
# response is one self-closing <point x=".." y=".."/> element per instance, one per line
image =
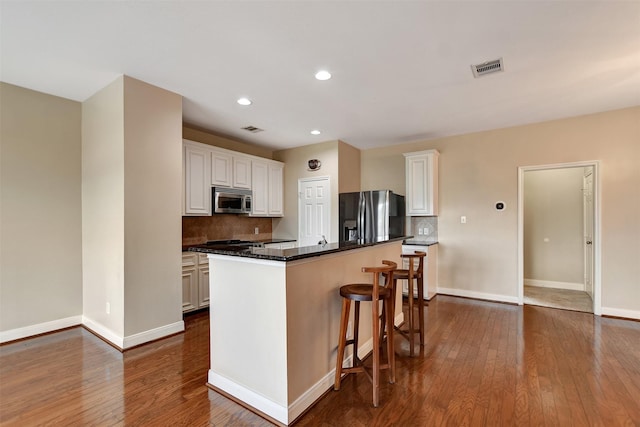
<point x="242" y="172"/>
<point x="430" y="269"/>
<point x="422" y="183"/>
<point x="196" y="169"/>
<point x="267" y="187"/>
<point x="221" y="169"/>
<point x="195" y="281"/>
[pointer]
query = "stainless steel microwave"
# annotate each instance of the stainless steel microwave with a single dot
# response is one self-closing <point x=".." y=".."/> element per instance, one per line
<point x="231" y="200"/>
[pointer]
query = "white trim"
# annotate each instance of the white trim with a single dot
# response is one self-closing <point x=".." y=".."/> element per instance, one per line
<point x="597" y="265"/>
<point x="40" y="328"/>
<point x="153" y="334"/>
<point x="619" y="312"/>
<point x="250" y="397"/>
<point x="555" y="285"/>
<point x="307" y="398"/>
<point x="477" y="295"/>
<point x="104" y="332"/>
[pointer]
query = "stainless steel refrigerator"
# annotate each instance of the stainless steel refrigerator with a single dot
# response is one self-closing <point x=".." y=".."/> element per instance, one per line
<point x="371" y="216"/>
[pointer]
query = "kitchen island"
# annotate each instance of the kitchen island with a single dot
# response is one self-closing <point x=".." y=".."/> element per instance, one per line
<point x="275" y="318"/>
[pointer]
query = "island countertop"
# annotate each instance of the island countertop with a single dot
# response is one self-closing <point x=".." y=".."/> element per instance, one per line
<point x="292" y="254"/>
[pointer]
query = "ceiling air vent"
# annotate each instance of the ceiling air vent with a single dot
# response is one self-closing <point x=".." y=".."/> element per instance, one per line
<point x="252" y="129"/>
<point x="487" y="68"/>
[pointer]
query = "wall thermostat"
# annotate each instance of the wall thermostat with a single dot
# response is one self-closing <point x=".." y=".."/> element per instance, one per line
<point x="500" y="206"/>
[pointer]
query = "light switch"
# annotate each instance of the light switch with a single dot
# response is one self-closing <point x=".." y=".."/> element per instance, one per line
<point x="463" y="219"/>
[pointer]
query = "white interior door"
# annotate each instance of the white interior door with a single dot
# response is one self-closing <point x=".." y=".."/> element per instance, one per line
<point x="588" y="231"/>
<point x="314" y="210"/>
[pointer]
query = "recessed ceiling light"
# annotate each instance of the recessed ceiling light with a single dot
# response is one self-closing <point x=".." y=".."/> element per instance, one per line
<point x="315" y="132"/>
<point x="323" y="75"/>
<point x="244" y="101"/>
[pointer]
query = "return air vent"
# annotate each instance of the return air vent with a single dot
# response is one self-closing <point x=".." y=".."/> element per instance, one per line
<point x="487" y="68"/>
<point x="252" y="129"/>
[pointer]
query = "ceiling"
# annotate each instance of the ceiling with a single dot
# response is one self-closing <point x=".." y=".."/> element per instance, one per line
<point x="401" y="69"/>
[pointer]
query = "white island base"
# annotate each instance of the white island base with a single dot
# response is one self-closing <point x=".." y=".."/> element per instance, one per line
<point x="275" y="324"/>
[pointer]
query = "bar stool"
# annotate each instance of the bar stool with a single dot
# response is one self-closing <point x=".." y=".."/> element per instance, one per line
<point x="410" y="275"/>
<point x="368" y="292"/>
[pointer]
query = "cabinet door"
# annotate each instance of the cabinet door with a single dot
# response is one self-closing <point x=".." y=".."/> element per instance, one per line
<point x="197" y="194"/>
<point x="422" y="183"/>
<point x="203" y="286"/>
<point x="242" y="172"/>
<point x="189" y="281"/>
<point x="221" y="166"/>
<point x="276" y="203"/>
<point x="260" y="188"/>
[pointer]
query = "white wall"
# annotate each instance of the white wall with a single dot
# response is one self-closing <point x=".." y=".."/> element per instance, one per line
<point x="40" y="212"/>
<point x="553" y="226"/>
<point x="476" y="170"/>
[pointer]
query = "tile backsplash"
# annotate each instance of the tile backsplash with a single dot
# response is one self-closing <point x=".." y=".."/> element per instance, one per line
<point x="199" y="229"/>
<point x="428" y="225"/>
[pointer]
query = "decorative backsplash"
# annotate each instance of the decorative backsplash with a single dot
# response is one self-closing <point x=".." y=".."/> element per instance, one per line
<point x="199" y="229"/>
<point x="428" y="225"/>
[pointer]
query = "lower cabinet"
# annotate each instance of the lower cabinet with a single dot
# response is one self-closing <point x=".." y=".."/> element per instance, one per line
<point x="195" y="281"/>
<point x="430" y="267"/>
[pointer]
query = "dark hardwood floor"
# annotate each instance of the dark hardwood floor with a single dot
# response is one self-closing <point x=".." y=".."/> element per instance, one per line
<point x="484" y="364"/>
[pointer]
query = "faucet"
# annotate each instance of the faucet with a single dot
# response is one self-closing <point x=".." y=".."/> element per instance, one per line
<point x="323" y="241"/>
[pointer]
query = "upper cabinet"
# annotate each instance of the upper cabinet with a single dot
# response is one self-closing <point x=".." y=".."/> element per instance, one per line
<point x="206" y="166"/>
<point x="267" y="188"/>
<point x="221" y="167"/>
<point x="422" y="183"/>
<point x="241" y="171"/>
<point x="197" y="170"/>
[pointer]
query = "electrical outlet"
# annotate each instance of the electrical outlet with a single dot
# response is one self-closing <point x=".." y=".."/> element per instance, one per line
<point x="108" y="308"/>
<point x="257" y="230"/>
<point x="420" y="232"/>
<point x="463" y="220"/>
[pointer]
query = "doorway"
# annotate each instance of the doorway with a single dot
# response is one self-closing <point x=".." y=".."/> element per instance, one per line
<point x="558" y="228"/>
<point x="314" y="210"/>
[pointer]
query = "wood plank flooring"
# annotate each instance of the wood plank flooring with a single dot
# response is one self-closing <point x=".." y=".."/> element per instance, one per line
<point x="484" y="364"/>
<point x="565" y="299"/>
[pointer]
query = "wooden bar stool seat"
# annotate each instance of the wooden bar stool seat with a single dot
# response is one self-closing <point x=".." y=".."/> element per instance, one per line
<point x="374" y="292"/>
<point x="414" y="274"/>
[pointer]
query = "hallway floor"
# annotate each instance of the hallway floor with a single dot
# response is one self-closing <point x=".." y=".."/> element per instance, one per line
<point x="558" y="298"/>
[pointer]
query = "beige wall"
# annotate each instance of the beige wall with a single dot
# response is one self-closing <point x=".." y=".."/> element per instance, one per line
<point x="40" y="209"/>
<point x="478" y="169"/>
<point x="193" y="133"/>
<point x="152" y="207"/>
<point x="349" y="168"/>
<point x="103" y="209"/>
<point x="553" y="226"/>
<point x="295" y="160"/>
<point x="132" y="168"/>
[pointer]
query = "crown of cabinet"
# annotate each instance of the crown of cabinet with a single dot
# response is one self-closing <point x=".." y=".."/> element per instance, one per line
<point x="421" y="169"/>
<point x="207" y="166"/>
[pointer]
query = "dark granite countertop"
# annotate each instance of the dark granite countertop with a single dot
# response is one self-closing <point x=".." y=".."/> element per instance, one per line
<point x="185" y="248"/>
<point x="292" y="254"/>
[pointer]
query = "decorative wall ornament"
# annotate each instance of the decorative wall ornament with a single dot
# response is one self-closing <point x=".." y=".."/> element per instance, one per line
<point x="314" y="164"/>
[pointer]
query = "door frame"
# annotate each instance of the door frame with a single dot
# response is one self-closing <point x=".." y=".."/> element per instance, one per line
<point x="597" y="296"/>
<point x="312" y="179"/>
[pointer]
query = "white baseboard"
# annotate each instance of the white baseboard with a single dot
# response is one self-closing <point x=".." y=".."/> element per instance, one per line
<point x="619" y="312"/>
<point x="153" y="334"/>
<point x="477" y="295"/>
<point x="104" y="332"/>
<point x="40" y="328"/>
<point x="555" y="285"/>
<point x="273" y="409"/>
